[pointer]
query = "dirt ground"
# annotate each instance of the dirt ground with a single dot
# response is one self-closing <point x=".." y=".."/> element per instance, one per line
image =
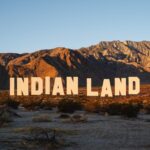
<point x="97" y="133"/>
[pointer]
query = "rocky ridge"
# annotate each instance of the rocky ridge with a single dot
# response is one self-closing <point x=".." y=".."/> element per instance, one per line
<point x="103" y="60"/>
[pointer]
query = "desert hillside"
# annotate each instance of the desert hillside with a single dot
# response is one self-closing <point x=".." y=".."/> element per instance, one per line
<point x="104" y="60"/>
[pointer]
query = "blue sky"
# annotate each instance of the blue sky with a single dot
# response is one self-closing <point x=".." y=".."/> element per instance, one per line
<point x="29" y="25"/>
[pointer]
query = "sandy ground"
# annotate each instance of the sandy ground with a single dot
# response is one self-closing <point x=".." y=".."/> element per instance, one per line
<point x="98" y="133"/>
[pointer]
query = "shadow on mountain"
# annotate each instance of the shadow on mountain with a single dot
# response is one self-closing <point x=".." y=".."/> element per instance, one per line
<point x="72" y="63"/>
<point x="4" y="78"/>
<point x="96" y="69"/>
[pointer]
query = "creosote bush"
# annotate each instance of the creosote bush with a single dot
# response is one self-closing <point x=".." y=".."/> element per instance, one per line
<point x="147" y="108"/>
<point x="31" y="104"/>
<point x="92" y="106"/>
<point x="64" y="116"/>
<point x="43" y="138"/>
<point x="78" y="118"/>
<point x="122" y="109"/>
<point x="12" y="103"/>
<point x="7" y="114"/>
<point x="9" y="102"/>
<point x="127" y="110"/>
<point x="69" y="106"/>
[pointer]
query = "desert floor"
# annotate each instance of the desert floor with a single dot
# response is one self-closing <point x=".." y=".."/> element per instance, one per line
<point x="99" y="132"/>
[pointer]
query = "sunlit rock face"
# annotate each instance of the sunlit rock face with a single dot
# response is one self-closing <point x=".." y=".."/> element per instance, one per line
<point x="103" y="60"/>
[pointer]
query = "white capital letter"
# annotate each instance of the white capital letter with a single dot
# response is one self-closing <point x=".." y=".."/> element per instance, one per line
<point x="106" y="88"/>
<point x="72" y="86"/>
<point x="89" y="88"/>
<point x="22" y="86"/>
<point x="36" y="86"/>
<point x="58" y="86"/>
<point x="120" y="86"/>
<point x="134" y="85"/>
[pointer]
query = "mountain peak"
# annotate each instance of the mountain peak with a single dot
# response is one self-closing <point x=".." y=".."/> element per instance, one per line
<point x="107" y="59"/>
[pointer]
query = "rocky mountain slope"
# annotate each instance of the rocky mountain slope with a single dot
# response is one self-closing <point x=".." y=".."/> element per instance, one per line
<point x="104" y="60"/>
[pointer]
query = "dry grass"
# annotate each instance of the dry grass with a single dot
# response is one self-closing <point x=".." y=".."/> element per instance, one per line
<point x="42" y="118"/>
<point x="79" y="118"/>
<point x="64" y="116"/>
<point x="44" y="138"/>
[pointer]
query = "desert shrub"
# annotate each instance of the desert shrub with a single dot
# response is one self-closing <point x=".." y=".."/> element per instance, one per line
<point x="64" y="116"/>
<point x="126" y="110"/>
<point x="130" y="110"/>
<point x="92" y="106"/>
<point x="123" y="109"/>
<point x="12" y="103"/>
<point x="31" y="104"/>
<point x="9" y="102"/>
<point x="69" y="106"/>
<point x="5" y="117"/>
<point x="42" y="118"/>
<point x="147" y="108"/>
<point x="34" y="103"/>
<point x="43" y="138"/>
<point x="78" y="118"/>
<point x="7" y="114"/>
<point x="113" y="109"/>
<point x="46" y="105"/>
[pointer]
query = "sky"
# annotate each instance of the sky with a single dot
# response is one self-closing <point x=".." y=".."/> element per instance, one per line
<point x="29" y="25"/>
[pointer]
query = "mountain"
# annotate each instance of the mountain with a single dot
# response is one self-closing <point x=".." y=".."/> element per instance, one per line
<point x="104" y="60"/>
